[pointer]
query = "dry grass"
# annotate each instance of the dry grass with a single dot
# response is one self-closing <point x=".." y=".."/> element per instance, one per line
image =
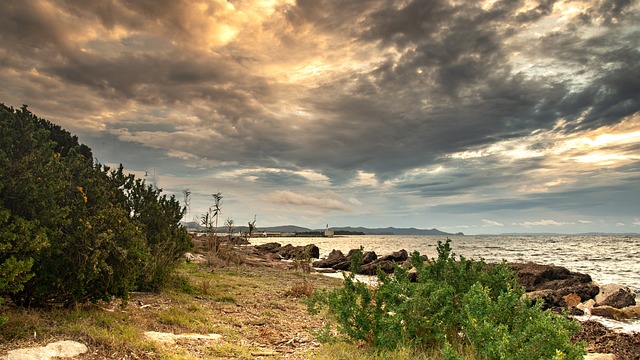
<point x="255" y="304"/>
<point x="255" y="309"/>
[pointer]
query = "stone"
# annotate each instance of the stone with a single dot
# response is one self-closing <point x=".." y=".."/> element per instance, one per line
<point x="170" y="339"/>
<point x="599" y="356"/>
<point x="343" y="265"/>
<point x="617" y="296"/>
<point x="369" y="256"/>
<point x="397" y="256"/>
<point x="299" y="252"/>
<point x="629" y="312"/>
<point x="271" y="247"/>
<point x="572" y="299"/>
<point x="555" y="282"/>
<point x="59" y="349"/>
<point x="589" y="304"/>
<point x="372" y="268"/>
<point x="195" y="258"/>
<point x="412" y="274"/>
<point x="334" y="257"/>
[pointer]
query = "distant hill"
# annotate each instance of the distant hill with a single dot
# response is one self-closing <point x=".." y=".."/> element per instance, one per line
<point x="366" y="231"/>
<point x="396" y="231"/>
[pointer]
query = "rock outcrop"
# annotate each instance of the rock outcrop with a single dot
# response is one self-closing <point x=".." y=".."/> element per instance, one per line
<point x="616" y="296"/>
<point x="370" y="261"/>
<point x="554" y="284"/>
<point x="289" y="251"/>
<point x="334" y="257"/>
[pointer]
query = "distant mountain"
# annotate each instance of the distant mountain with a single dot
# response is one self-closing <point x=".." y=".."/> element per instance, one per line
<point x="569" y="234"/>
<point x="284" y="228"/>
<point x="396" y="231"/>
<point x="366" y="231"/>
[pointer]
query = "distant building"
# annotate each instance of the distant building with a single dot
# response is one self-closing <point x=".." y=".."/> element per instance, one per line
<point x="328" y="232"/>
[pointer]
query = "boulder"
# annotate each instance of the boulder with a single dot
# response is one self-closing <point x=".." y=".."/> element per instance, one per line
<point x="299" y="252"/>
<point x="606" y="311"/>
<point x="334" y="257"/>
<point x="271" y="247"/>
<point x="286" y="251"/>
<point x="554" y="284"/>
<point x="412" y="274"/>
<point x="397" y="256"/>
<point x="616" y="296"/>
<point x="368" y="257"/>
<point x="343" y="265"/>
<point x="312" y="250"/>
<point x="534" y="277"/>
<point x="372" y="267"/>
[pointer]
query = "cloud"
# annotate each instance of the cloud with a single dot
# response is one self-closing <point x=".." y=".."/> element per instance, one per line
<point x="491" y="223"/>
<point x="636" y="221"/>
<point x="459" y="108"/>
<point x="327" y="200"/>
<point x="544" y="223"/>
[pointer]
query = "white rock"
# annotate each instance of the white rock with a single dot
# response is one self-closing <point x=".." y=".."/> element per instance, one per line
<point x="60" y="349"/>
<point x="169" y="338"/>
<point x="598" y="356"/>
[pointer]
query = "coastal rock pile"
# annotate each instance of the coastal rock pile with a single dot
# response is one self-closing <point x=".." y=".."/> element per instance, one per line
<point x="370" y="261"/>
<point x="560" y="288"/>
<point x="556" y="286"/>
<point x="289" y="251"/>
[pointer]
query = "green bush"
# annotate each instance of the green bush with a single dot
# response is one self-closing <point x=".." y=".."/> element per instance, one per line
<point x="465" y="308"/>
<point x="72" y="230"/>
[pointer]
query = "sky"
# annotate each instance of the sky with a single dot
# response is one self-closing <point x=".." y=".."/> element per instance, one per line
<point x="480" y="117"/>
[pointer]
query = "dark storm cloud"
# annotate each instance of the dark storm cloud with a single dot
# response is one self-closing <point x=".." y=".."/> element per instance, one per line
<point x="363" y="92"/>
<point x="599" y="201"/>
<point x="456" y="57"/>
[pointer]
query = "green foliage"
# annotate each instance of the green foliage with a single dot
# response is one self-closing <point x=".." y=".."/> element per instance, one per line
<point x="460" y="306"/>
<point x="73" y="231"/>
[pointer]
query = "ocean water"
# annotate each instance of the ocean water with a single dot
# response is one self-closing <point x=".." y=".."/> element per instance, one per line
<point x="608" y="259"/>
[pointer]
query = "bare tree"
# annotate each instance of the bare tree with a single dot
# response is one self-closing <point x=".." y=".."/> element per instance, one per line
<point x="187" y="201"/>
<point x="252" y="228"/>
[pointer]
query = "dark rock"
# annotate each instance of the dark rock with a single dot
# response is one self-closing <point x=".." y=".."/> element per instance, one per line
<point x="344" y="265"/>
<point x="555" y="282"/>
<point x="603" y="311"/>
<point x="286" y="251"/>
<point x="368" y="257"/>
<point x="397" y="256"/>
<point x="372" y="268"/>
<point x="312" y="251"/>
<point x="299" y="252"/>
<point x="271" y="247"/>
<point x="352" y="252"/>
<point x="616" y="296"/>
<point x="412" y="275"/>
<point x="334" y="257"/>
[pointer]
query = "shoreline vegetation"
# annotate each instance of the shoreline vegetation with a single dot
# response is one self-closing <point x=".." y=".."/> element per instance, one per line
<point x="254" y="300"/>
<point x="91" y="254"/>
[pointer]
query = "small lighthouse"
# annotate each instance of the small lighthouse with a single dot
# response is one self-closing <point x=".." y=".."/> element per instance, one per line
<point x="328" y="232"/>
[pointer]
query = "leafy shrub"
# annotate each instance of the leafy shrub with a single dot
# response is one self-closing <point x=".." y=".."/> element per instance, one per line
<point x="72" y="230"/>
<point x="461" y="306"/>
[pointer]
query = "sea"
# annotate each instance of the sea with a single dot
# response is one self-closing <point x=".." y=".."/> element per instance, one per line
<point x="609" y="259"/>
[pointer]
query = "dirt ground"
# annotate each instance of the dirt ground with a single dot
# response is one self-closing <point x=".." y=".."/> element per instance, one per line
<point x="254" y="302"/>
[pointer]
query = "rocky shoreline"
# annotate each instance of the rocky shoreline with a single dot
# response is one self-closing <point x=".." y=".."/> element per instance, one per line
<point x="562" y="291"/>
